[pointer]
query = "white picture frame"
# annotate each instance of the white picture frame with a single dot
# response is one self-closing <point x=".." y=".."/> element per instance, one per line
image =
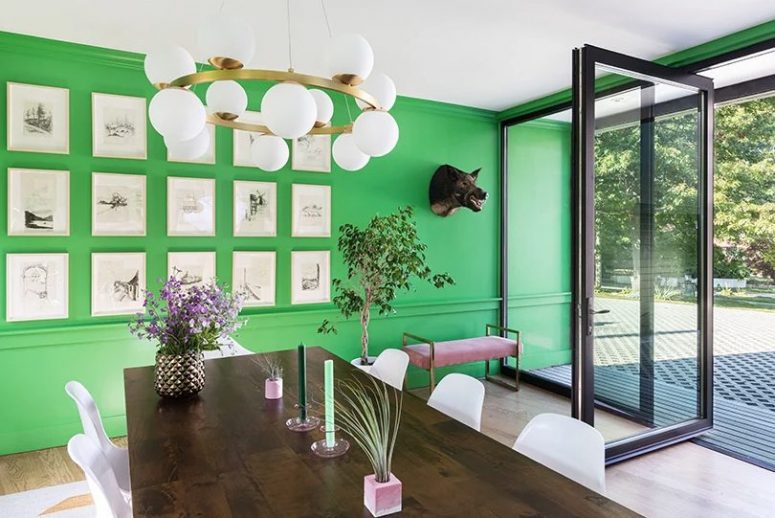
<point x="207" y="158"/>
<point x="190" y="206"/>
<point x="254" y="274"/>
<point x="119" y="204"/>
<point x="38" y="202"/>
<point x="312" y="153"/>
<point x="119" y="127"/>
<point x="310" y="277"/>
<point x="255" y="209"/>
<point x="36" y="287"/>
<point x="244" y="139"/>
<point x="193" y="268"/>
<point x="117" y="283"/>
<point x="38" y="118"/>
<point x="311" y="207"/>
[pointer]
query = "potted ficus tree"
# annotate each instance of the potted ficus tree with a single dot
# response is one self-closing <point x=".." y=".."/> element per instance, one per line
<point x="370" y="413"/>
<point x="381" y="259"/>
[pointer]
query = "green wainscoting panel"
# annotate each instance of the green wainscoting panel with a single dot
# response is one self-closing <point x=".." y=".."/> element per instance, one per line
<point x="37" y="358"/>
<point x="539" y="239"/>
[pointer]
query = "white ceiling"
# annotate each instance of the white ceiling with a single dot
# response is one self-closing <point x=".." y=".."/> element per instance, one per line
<point x="487" y="53"/>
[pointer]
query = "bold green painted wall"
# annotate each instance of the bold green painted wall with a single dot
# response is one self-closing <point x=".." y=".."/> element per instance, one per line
<point x="539" y="240"/>
<point x="38" y="358"/>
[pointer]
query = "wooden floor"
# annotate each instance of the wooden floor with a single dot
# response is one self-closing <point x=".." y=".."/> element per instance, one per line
<point x="686" y="480"/>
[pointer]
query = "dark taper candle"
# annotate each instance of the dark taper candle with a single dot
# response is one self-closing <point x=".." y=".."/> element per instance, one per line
<point x="302" y="382"/>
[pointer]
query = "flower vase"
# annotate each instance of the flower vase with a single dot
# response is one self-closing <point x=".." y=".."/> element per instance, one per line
<point x="178" y="376"/>
<point x="273" y="388"/>
<point x="382" y="498"/>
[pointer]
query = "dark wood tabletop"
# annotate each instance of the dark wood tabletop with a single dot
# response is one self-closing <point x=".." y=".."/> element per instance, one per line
<point x="227" y="453"/>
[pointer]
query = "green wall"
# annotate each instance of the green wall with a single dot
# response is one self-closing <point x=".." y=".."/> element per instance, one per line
<point x="539" y="239"/>
<point x="38" y="358"/>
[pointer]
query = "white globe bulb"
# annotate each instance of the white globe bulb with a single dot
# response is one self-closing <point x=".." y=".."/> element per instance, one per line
<point x="347" y="155"/>
<point x="227" y="97"/>
<point x="325" y="108"/>
<point x="227" y="41"/>
<point x="166" y="64"/>
<point x="177" y="114"/>
<point x="375" y="132"/>
<point x="269" y="152"/>
<point x="382" y="88"/>
<point x="289" y="110"/>
<point x="350" y="55"/>
<point x="189" y="149"/>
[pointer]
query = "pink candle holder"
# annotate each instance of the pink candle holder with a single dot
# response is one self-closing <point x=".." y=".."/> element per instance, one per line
<point x="273" y="388"/>
<point x="382" y="498"/>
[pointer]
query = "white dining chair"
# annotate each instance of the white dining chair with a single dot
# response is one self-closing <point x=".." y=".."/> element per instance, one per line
<point x="461" y="397"/>
<point x="117" y="457"/>
<point x="109" y="500"/>
<point x="390" y="366"/>
<point x="567" y="446"/>
<point x="228" y="347"/>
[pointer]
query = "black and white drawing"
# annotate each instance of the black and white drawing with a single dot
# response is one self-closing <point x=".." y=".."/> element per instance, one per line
<point x="38" y="202"/>
<point x="38" y="118"/>
<point x="190" y="206"/>
<point x="311" y="211"/>
<point x="36" y="286"/>
<point x="118" y="126"/>
<point x="253" y="273"/>
<point x="192" y="268"/>
<point x="207" y="158"/>
<point x="312" y="153"/>
<point x="118" y="282"/>
<point x="243" y="140"/>
<point x="255" y="209"/>
<point x="310" y="277"/>
<point x="118" y="204"/>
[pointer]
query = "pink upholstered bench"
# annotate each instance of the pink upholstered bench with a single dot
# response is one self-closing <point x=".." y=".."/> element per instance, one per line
<point x="429" y="354"/>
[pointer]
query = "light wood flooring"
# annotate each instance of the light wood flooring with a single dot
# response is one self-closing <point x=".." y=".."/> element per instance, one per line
<point x="683" y="481"/>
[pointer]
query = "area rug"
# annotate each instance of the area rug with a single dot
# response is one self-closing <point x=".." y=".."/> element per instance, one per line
<point x="63" y="501"/>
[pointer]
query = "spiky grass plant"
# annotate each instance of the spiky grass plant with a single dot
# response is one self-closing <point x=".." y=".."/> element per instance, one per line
<point x="370" y="412"/>
<point x="270" y="365"/>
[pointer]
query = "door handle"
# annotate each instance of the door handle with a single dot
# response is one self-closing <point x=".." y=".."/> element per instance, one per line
<point x="600" y="312"/>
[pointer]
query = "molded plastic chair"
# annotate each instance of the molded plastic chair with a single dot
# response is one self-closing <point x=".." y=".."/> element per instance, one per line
<point x="390" y="366"/>
<point x="229" y="347"/>
<point x="461" y="397"/>
<point x="108" y="498"/>
<point x="117" y="457"/>
<point x="566" y="445"/>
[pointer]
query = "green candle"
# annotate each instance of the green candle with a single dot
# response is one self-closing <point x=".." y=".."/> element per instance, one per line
<point x="302" y="367"/>
<point x="329" y="377"/>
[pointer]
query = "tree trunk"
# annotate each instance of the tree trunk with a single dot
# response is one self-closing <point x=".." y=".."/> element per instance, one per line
<point x="365" y="333"/>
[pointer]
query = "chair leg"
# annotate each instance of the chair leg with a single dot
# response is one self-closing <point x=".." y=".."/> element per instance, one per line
<point x="516" y="371"/>
<point x="432" y="372"/>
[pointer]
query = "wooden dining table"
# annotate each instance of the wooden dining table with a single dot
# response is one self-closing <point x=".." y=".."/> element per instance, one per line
<point x="227" y="452"/>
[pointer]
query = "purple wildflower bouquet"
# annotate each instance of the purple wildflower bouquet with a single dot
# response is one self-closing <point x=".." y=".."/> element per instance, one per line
<point x="183" y="320"/>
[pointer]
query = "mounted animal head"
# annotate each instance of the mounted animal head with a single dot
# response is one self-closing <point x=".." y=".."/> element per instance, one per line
<point x="452" y="188"/>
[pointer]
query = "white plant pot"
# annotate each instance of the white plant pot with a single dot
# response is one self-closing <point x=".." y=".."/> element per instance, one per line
<point x="366" y="368"/>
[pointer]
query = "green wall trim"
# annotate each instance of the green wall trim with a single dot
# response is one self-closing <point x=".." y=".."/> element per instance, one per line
<point x="718" y="46"/>
<point x="544" y="299"/>
<point x="48" y="436"/>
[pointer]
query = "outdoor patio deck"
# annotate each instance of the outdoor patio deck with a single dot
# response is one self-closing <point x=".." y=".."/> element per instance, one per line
<point x="744" y="390"/>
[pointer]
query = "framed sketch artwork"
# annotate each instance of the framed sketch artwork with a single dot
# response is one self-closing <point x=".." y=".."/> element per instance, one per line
<point x="38" y="202"/>
<point x="243" y="140"/>
<point x="192" y="268"/>
<point x="310" y="277"/>
<point x="190" y="206"/>
<point x="207" y="158"/>
<point x="36" y="287"/>
<point x="118" y="126"/>
<point x="117" y="283"/>
<point x="312" y="153"/>
<point x="253" y="273"/>
<point x="38" y="118"/>
<point x="118" y="204"/>
<point x="255" y="209"/>
<point x="311" y="211"/>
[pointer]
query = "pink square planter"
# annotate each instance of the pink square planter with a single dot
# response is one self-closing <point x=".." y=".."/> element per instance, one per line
<point x="273" y="389"/>
<point x="382" y="498"/>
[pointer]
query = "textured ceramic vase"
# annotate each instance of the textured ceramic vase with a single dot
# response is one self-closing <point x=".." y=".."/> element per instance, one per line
<point x="273" y="388"/>
<point x="179" y="376"/>
<point x="382" y="498"/>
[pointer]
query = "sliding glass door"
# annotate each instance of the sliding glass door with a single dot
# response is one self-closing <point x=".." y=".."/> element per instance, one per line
<point x="642" y="136"/>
